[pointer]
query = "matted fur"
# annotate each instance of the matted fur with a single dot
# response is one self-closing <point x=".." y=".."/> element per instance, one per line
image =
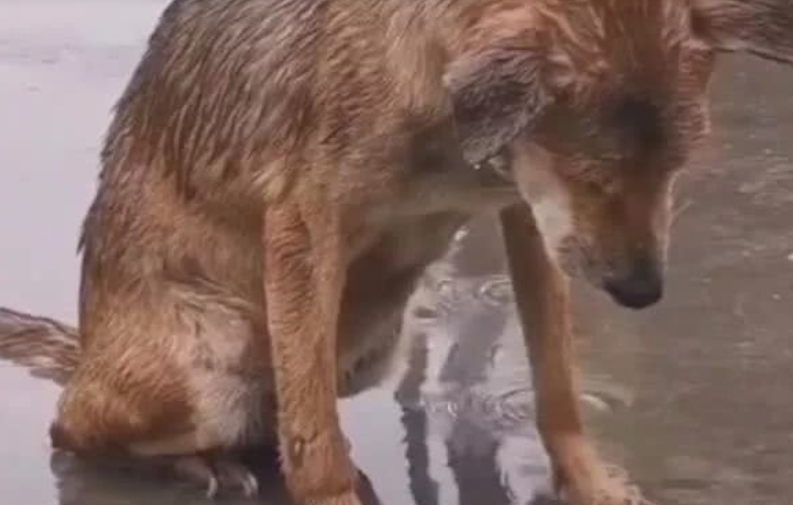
<point x="279" y="174"/>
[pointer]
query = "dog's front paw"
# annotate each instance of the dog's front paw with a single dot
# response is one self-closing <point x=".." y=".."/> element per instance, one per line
<point x="601" y="488"/>
<point x="581" y="478"/>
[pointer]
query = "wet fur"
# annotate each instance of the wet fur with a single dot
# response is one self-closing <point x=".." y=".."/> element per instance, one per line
<point x="279" y="174"/>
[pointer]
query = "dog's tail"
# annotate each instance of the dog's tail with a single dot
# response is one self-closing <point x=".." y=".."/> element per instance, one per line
<point x="49" y="349"/>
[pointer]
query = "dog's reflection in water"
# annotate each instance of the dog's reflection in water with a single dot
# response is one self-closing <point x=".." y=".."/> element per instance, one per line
<point x="466" y="387"/>
<point x="117" y="482"/>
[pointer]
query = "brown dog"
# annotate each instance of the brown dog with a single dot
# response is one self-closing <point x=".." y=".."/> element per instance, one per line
<point x="279" y="173"/>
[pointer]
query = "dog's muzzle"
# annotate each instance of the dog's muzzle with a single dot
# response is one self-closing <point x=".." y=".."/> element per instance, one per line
<point x="641" y="287"/>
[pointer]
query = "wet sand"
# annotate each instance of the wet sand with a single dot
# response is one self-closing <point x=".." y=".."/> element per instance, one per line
<point x="693" y="396"/>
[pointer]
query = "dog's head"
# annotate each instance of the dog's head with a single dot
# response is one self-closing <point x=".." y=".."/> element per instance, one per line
<point x="601" y="103"/>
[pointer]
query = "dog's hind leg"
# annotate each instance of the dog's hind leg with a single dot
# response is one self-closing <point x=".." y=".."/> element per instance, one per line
<point x="93" y="423"/>
<point x="188" y="386"/>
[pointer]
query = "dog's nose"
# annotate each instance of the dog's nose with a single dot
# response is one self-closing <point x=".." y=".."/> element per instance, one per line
<point x="641" y="287"/>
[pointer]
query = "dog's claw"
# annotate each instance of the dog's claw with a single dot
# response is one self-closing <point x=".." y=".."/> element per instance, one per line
<point x="216" y="472"/>
<point x="236" y="474"/>
<point x="212" y="487"/>
<point x="251" y="486"/>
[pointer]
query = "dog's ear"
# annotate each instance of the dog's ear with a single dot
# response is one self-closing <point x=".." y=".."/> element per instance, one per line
<point x="496" y="94"/>
<point x="760" y="27"/>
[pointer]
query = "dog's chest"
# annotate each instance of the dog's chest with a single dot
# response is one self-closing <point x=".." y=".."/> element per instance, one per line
<point x="384" y="275"/>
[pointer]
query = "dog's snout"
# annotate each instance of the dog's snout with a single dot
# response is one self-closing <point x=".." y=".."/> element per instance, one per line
<point x="641" y="287"/>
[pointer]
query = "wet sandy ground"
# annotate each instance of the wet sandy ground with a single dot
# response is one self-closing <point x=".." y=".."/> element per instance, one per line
<point x="692" y="396"/>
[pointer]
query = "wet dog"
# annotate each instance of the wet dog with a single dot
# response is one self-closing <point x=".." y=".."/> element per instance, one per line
<point x="279" y="173"/>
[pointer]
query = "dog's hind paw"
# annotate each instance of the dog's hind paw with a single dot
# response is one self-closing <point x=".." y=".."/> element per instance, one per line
<point x="217" y="473"/>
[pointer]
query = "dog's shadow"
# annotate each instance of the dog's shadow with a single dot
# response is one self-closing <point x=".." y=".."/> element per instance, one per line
<point x="83" y="482"/>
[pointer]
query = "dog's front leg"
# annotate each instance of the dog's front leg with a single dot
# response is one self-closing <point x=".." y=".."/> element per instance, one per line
<point x="304" y="277"/>
<point x="543" y="303"/>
